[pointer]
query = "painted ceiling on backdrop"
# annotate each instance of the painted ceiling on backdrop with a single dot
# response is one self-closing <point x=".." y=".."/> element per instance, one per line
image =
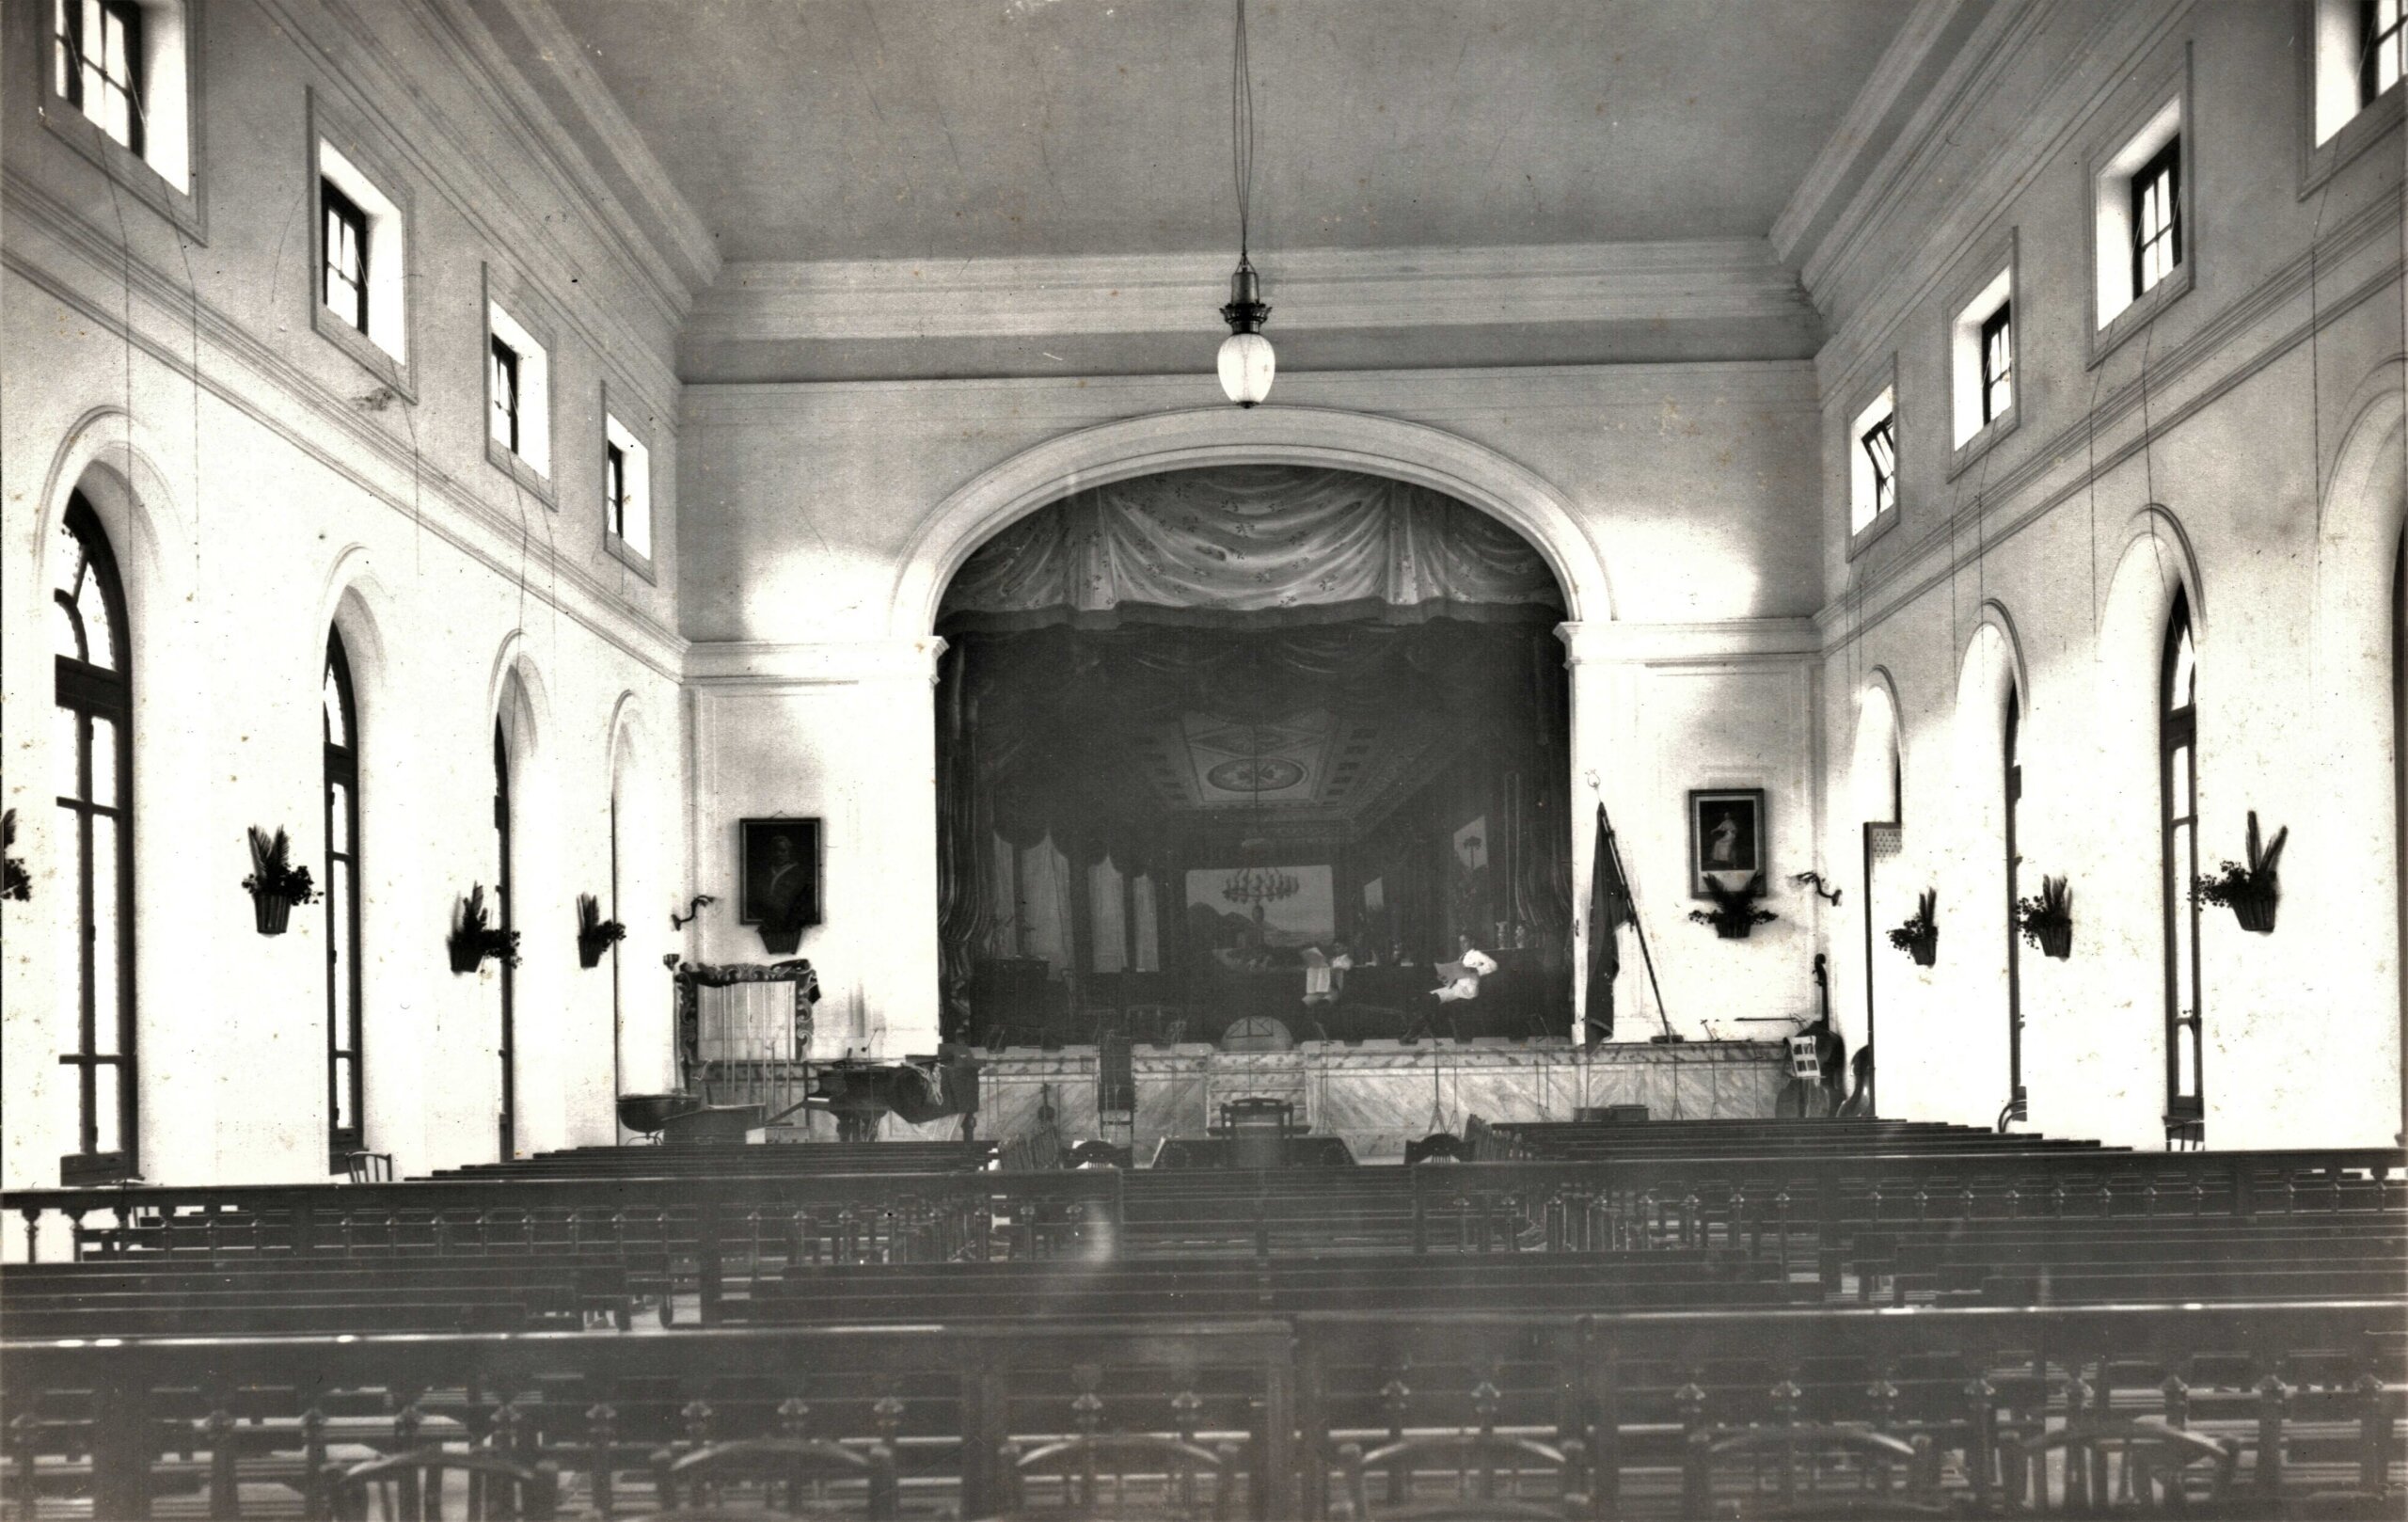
<point x="966" y="129"/>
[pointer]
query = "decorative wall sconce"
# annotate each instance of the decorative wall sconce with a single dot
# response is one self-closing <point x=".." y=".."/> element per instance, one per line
<point x="1814" y="880"/>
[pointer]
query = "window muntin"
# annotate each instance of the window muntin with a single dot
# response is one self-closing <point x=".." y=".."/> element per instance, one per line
<point x="2178" y="788"/>
<point x="1880" y="445"/>
<point x="343" y="286"/>
<point x="2383" y="50"/>
<point x="626" y="489"/>
<point x="503" y="383"/>
<point x="347" y="1127"/>
<point x="96" y="65"/>
<point x="93" y="740"/>
<point x="1998" y="363"/>
<point x="2157" y="218"/>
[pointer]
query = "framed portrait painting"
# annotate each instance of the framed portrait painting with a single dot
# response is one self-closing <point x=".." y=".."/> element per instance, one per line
<point x="778" y="873"/>
<point x="1726" y="838"/>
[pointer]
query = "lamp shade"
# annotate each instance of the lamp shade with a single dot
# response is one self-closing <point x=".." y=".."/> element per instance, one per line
<point x="1248" y="365"/>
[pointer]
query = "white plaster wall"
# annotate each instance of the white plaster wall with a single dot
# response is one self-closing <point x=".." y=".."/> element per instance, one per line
<point x="2259" y="415"/>
<point x="250" y="494"/>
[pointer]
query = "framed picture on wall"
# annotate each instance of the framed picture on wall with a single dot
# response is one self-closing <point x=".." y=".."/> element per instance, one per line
<point x="777" y="872"/>
<point x="1726" y="838"/>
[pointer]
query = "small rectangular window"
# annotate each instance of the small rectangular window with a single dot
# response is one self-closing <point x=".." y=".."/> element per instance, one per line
<point x="2157" y="218"/>
<point x="614" y="487"/>
<point x="626" y="493"/>
<point x="1880" y="445"/>
<point x="99" y="64"/>
<point x="2382" y="56"/>
<point x="345" y="282"/>
<point x="1998" y="364"/>
<point x="505" y="386"/>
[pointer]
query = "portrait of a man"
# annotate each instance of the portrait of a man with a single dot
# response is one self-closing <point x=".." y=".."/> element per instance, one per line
<point x="780" y="872"/>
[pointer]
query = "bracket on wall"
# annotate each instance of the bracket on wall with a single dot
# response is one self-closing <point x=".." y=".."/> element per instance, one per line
<point x="1814" y="880"/>
<point x="693" y="910"/>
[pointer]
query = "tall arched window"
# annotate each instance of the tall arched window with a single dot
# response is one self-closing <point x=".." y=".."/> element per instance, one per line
<point x="347" y="1131"/>
<point x="2017" y="1106"/>
<point x="502" y="921"/>
<point x="93" y="743"/>
<point x="2179" y="782"/>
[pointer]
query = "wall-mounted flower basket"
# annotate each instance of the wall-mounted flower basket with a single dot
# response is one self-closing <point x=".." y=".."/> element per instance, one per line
<point x="472" y="939"/>
<point x="1919" y="937"/>
<point x="2251" y="890"/>
<point x="595" y="934"/>
<point x="2046" y="921"/>
<point x="275" y="883"/>
<point x="14" y="881"/>
<point x="1734" y="913"/>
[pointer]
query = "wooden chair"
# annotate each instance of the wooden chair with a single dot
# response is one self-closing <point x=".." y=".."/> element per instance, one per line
<point x="410" y="1486"/>
<point x="1478" y="1460"/>
<point x="1135" y="1464"/>
<point x="1805" y="1469"/>
<point x="782" y="1473"/>
<point x="2111" y="1466"/>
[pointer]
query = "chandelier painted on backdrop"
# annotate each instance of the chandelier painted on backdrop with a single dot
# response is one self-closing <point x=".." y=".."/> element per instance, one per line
<point x="1255" y="885"/>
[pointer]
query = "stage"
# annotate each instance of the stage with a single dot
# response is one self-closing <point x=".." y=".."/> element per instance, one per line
<point x="1376" y="1095"/>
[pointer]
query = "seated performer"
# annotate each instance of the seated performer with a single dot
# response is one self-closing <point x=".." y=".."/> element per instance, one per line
<point x="1459" y="981"/>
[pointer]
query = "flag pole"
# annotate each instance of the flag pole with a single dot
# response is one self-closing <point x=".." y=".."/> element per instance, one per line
<point x="1614" y="846"/>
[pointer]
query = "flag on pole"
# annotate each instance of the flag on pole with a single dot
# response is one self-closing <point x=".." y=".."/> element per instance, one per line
<point x="1610" y="909"/>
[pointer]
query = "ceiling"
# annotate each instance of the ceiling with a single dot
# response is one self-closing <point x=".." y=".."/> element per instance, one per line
<point x="815" y="130"/>
<point x="1312" y="765"/>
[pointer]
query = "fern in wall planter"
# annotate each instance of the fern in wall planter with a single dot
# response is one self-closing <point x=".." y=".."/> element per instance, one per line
<point x="2047" y="920"/>
<point x="1734" y="913"/>
<point x="472" y="939"/>
<point x="1919" y="937"/>
<point x="275" y="883"/>
<point x="595" y="934"/>
<point x="2253" y="889"/>
<point x="14" y="881"/>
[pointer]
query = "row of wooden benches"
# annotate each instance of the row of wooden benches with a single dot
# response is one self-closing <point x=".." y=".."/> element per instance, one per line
<point x="2310" y="1398"/>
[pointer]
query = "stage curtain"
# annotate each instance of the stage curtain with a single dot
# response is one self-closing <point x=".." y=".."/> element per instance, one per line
<point x="1254" y="544"/>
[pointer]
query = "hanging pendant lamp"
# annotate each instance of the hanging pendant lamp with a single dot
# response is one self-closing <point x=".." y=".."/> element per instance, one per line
<point x="1247" y="362"/>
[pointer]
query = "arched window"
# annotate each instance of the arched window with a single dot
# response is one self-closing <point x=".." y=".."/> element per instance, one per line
<point x="502" y="921"/>
<point x="93" y="743"/>
<point x="2179" y="782"/>
<point x="2017" y="1105"/>
<point x="347" y="1131"/>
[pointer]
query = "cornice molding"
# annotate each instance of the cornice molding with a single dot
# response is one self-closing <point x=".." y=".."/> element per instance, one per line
<point x="2177" y="387"/>
<point x="1862" y="129"/>
<point x="408" y="482"/>
<point x="690" y="247"/>
<point x="1311" y="289"/>
<point x="1782" y="640"/>
<point x="763" y="666"/>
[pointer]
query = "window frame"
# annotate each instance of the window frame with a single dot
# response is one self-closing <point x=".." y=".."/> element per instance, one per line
<point x="505" y="845"/>
<point x="2338" y="121"/>
<point x="1990" y="280"/>
<point x="1862" y="401"/>
<point x="504" y="363"/>
<point x="2011" y="752"/>
<point x="93" y="691"/>
<point x="346" y="986"/>
<point x="516" y="317"/>
<point x="336" y="207"/>
<point x="2162" y="111"/>
<point x="615" y="541"/>
<point x="167" y="25"/>
<point x="1997" y="331"/>
<point x="2166" y="165"/>
<point x="387" y="346"/>
<point x="2179" y="735"/>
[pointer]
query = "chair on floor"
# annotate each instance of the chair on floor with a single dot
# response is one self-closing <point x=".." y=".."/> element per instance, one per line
<point x="2111" y="1466"/>
<point x="410" y="1486"/>
<point x="1485" y="1477"/>
<point x="1804" y="1469"/>
<point x="761" y="1477"/>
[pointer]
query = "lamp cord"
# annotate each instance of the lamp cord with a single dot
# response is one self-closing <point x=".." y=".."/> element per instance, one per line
<point x="1241" y="131"/>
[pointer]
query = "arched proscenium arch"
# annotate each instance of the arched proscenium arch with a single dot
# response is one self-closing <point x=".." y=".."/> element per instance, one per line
<point x="1470" y="473"/>
<point x="1097" y="456"/>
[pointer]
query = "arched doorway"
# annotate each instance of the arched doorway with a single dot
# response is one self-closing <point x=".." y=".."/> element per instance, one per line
<point x="1202" y="732"/>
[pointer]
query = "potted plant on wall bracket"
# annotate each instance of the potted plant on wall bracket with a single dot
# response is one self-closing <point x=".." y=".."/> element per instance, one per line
<point x="2252" y="889"/>
<point x="1919" y="937"/>
<point x="14" y="881"/>
<point x="1734" y="913"/>
<point x="2046" y="921"/>
<point x="275" y="883"/>
<point x="595" y="934"/>
<point x="472" y="939"/>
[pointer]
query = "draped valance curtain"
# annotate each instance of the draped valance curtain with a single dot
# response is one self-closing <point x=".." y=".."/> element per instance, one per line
<point x="1252" y="544"/>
